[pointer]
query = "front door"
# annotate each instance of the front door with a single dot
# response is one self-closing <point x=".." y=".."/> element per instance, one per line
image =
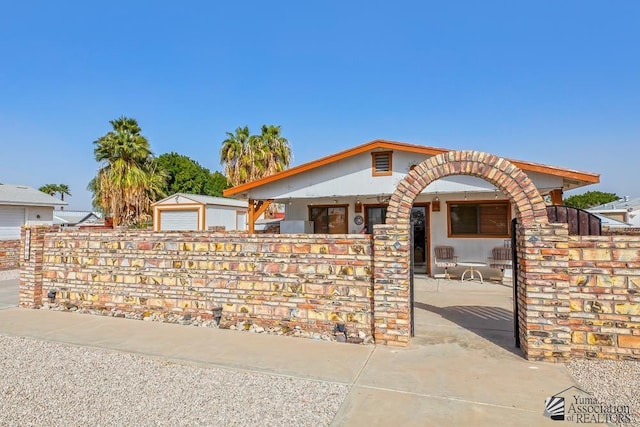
<point x="377" y="214"/>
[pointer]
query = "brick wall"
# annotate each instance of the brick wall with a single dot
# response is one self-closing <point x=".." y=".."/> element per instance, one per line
<point x="9" y="254"/>
<point x="308" y="281"/>
<point x="605" y="296"/>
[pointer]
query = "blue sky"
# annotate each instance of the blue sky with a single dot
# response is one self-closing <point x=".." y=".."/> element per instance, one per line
<point x="547" y="81"/>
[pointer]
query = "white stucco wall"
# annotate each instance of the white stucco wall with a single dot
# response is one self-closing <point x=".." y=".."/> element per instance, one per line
<point x="45" y="215"/>
<point x="353" y="176"/>
<point x="222" y="216"/>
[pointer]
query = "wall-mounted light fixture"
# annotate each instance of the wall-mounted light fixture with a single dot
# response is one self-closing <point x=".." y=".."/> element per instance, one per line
<point x="435" y="204"/>
<point x="358" y="206"/>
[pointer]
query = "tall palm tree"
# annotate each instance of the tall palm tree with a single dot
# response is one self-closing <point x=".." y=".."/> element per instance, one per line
<point x="276" y="150"/>
<point x="62" y="190"/>
<point x="236" y="155"/>
<point x="249" y="157"/>
<point x="128" y="180"/>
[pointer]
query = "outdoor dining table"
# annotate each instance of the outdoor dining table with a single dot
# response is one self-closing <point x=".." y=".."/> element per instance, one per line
<point x="472" y="269"/>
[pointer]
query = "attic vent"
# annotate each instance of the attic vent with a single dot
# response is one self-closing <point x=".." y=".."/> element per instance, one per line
<point x="381" y="163"/>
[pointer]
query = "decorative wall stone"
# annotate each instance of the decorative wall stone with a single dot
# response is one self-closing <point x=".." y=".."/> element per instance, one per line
<point x="307" y="281"/>
<point x="604" y="291"/>
<point x="9" y="254"/>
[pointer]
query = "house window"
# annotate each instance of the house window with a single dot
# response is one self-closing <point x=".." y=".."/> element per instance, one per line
<point x="479" y="219"/>
<point x="329" y="219"/>
<point x="381" y="163"/>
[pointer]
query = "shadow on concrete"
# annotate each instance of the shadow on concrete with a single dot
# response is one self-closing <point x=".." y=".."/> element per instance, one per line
<point x="495" y="324"/>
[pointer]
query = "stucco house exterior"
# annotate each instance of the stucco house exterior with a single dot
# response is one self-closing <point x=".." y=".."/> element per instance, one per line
<point x="625" y="210"/>
<point x="20" y="205"/>
<point x="76" y="218"/>
<point x="348" y="192"/>
<point x="183" y="211"/>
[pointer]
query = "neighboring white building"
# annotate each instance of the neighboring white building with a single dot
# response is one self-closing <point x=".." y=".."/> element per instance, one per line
<point x="76" y="218"/>
<point x="344" y="192"/>
<point x="183" y="211"/>
<point x="625" y="210"/>
<point x="20" y="205"/>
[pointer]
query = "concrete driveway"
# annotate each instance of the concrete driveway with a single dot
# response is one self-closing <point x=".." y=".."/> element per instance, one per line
<point x="460" y="369"/>
<point x="8" y="293"/>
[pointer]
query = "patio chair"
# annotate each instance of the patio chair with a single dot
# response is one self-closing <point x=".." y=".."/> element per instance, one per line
<point x="501" y="259"/>
<point x="444" y="258"/>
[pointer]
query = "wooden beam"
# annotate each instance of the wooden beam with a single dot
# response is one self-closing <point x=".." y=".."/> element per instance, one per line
<point x="556" y="196"/>
<point x="251" y="219"/>
<point x="257" y="208"/>
<point x="263" y="206"/>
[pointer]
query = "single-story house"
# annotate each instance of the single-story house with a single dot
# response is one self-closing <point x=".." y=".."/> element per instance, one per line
<point x="183" y="211"/>
<point x="625" y="210"/>
<point x="20" y="205"/>
<point x="348" y="192"/>
<point x="76" y="218"/>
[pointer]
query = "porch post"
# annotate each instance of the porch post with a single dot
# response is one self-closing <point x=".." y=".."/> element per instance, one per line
<point x="556" y="196"/>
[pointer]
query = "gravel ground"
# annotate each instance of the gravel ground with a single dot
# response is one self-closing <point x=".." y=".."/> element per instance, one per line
<point x="614" y="382"/>
<point x="43" y="383"/>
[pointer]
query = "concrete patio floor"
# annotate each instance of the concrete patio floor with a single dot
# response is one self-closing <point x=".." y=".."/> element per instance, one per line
<point x="461" y="368"/>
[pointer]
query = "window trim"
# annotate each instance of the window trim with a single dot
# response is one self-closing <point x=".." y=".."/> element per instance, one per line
<point x="479" y="202"/>
<point x="335" y="205"/>
<point x="374" y="172"/>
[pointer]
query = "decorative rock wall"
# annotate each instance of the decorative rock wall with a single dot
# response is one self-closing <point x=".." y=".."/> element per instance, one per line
<point x="307" y="281"/>
<point x="9" y="254"/>
<point x="605" y="296"/>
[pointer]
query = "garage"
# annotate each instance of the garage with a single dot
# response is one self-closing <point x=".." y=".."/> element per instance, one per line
<point x="11" y="219"/>
<point x="179" y="220"/>
<point x="195" y="212"/>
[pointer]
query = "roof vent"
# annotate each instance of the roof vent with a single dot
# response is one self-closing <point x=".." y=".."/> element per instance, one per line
<point x="626" y="198"/>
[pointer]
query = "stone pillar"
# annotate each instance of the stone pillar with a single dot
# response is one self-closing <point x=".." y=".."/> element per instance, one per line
<point x="543" y="294"/>
<point x="31" y="260"/>
<point x="391" y="304"/>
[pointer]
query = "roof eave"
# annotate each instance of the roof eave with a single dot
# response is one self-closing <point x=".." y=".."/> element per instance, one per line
<point x="581" y="178"/>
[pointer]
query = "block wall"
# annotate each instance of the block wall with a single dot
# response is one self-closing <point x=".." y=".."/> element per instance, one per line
<point x="307" y="281"/>
<point x="605" y="296"/>
<point x="9" y="254"/>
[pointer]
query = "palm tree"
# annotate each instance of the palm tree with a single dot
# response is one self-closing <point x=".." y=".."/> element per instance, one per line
<point x="63" y="189"/>
<point x="276" y="148"/>
<point x="249" y="157"/>
<point x="50" y="189"/>
<point x="236" y="156"/>
<point x="128" y="180"/>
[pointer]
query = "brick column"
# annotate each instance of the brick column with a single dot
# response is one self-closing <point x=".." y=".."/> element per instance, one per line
<point x="31" y="260"/>
<point x="391" y="310"/>
<point x="543" y="294"/>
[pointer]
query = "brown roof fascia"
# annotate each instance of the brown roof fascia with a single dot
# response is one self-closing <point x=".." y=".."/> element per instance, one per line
<point x="587" y="177"/>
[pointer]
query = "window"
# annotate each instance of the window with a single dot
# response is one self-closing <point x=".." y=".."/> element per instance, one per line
<point x="381" y="163"/>
<point x="479" y="219"/>
<point x="329" y="219"/>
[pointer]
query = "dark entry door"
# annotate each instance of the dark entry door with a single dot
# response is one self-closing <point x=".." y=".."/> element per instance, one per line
<point x="377" y="214"/>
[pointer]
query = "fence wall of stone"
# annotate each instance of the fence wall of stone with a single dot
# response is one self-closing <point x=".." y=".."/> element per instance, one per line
<point x="9" y="254"/>
<point x="310" y="281"/>
<point x="605" y="296"/>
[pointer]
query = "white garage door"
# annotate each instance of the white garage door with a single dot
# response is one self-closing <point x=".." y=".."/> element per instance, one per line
<point x="179" y="220"/>
<point x="11" y="219"/>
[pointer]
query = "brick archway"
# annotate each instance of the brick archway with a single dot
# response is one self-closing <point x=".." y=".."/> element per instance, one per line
<point x="522" y="192"/>
<point x="392" y="310"/>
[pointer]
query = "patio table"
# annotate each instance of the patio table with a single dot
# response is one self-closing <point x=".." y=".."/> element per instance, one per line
<point x="472" y="269"/>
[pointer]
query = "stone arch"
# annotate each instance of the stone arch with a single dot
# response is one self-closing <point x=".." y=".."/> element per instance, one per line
<point x="530" y="207"/>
